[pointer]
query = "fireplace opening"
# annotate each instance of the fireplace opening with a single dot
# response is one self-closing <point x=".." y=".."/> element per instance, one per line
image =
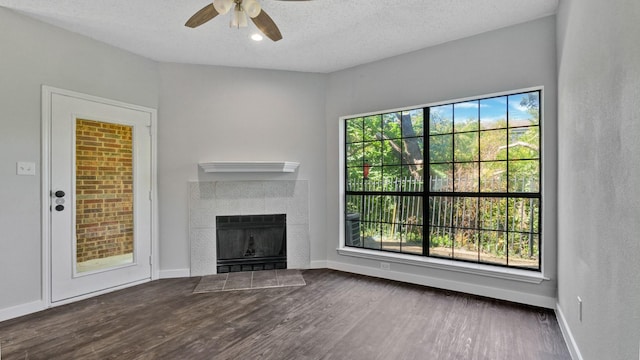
<point x="251" y="242"/>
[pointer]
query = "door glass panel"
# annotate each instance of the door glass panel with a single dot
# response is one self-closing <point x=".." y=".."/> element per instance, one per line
<point x="104" y="195"/>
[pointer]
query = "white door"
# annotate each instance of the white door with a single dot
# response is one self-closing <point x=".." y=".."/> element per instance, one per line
<point x="100" y="182"/>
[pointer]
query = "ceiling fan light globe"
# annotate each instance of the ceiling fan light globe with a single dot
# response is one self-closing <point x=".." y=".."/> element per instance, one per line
<point x="239" y="19"/>
<point x="243" y="19"/>
<point x="222" y="6"/>
<point x="251" y="7"/>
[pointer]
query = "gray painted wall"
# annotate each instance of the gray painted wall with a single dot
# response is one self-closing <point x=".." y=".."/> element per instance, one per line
<point x="34" y="54"/>
<point x="511" y="58"/>
<point x="598" y="192"/>
<point x="213" y="113"/>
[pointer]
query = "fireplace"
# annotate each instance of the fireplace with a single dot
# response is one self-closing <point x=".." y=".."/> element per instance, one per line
<point x="210" y="199"/>
<point x="251" y="242"/>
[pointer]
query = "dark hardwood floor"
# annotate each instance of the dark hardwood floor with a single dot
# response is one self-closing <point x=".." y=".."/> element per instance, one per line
<point x="335" y="316"/>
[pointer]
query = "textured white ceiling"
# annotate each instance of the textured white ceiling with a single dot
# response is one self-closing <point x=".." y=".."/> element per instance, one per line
<point x="319" y="36"/>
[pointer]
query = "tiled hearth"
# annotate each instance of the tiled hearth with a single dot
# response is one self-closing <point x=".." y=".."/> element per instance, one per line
<point x="212" y="198"/>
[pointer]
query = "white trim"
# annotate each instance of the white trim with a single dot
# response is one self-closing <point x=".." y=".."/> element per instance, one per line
<point x="155" y="221"/>
<point x="567" y="334"/>
<point x="249" y="166"/>
<point x="22" y="310"/>
<point x="532" y="277"/>
<point x="45" y="200"/>
<point x="174" y="273"/>
<point x="469" y="288"/>
<point x="47" y="93"/>
<point x="318" y="264"/>
<point x="100" y="292"/>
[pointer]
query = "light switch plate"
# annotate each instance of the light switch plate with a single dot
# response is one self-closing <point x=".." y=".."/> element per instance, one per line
<point x="26" y="168"/>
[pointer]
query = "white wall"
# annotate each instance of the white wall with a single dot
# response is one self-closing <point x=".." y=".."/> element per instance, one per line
<point x="598" y="192"/>
<point x="213" y="113"/>
<point x="512" y="58"/>
<point x="33" y="54"/>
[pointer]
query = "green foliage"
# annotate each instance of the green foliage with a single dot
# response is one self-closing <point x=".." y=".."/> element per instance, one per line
<point x="440" y="241"/>
<point x="532" y="102"/>
<point x="381" y="143"/>
<point x="414" y="237"/>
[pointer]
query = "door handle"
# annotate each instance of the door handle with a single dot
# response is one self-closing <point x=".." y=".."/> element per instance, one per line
<point x="59" y="200"/>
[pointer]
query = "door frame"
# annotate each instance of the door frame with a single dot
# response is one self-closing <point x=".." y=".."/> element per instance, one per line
<point x="47" y="93"/>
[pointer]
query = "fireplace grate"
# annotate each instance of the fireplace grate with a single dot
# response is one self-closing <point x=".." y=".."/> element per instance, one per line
<point x="251" y="242"/>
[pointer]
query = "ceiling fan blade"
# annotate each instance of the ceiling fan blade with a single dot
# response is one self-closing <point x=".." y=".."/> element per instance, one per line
<point x="267" y="26"/>
<point x="205" y="14"/>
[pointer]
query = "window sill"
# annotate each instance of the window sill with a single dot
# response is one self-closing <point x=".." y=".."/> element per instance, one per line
<point x="448" y="265"/>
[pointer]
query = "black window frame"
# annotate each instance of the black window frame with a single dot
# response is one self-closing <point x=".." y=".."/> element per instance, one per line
<point x="426" y="193"/>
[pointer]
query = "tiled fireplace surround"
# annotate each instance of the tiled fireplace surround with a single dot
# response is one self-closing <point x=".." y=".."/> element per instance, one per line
<point x="208" y="199"/>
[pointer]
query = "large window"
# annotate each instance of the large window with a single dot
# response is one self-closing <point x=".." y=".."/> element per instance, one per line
<point x="459" y="181"/>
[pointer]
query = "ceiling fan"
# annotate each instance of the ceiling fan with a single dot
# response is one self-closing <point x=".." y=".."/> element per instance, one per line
<point x="241" y="9"/>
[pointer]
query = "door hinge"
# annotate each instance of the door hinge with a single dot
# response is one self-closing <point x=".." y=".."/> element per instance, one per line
<point x="150" y="260"/>
<point x="150" y="195"/>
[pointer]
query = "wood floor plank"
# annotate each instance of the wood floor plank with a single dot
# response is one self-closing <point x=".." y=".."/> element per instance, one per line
<point x="335" y="316"/>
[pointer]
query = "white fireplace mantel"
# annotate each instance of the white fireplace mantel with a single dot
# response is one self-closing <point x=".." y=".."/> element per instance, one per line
<point x="249" y="166"/>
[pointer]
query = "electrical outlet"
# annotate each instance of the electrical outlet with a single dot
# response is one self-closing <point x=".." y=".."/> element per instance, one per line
<point x="385" y="266"/>
<point x="580" y="307"/>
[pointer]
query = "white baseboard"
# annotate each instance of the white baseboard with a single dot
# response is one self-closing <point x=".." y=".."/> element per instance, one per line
<point x="22" y="309"/>
<point x="319" y="264"/>
<point x="174" y="273"/>
<point x="469" y="288"/>
<point x="568" y="335"/>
